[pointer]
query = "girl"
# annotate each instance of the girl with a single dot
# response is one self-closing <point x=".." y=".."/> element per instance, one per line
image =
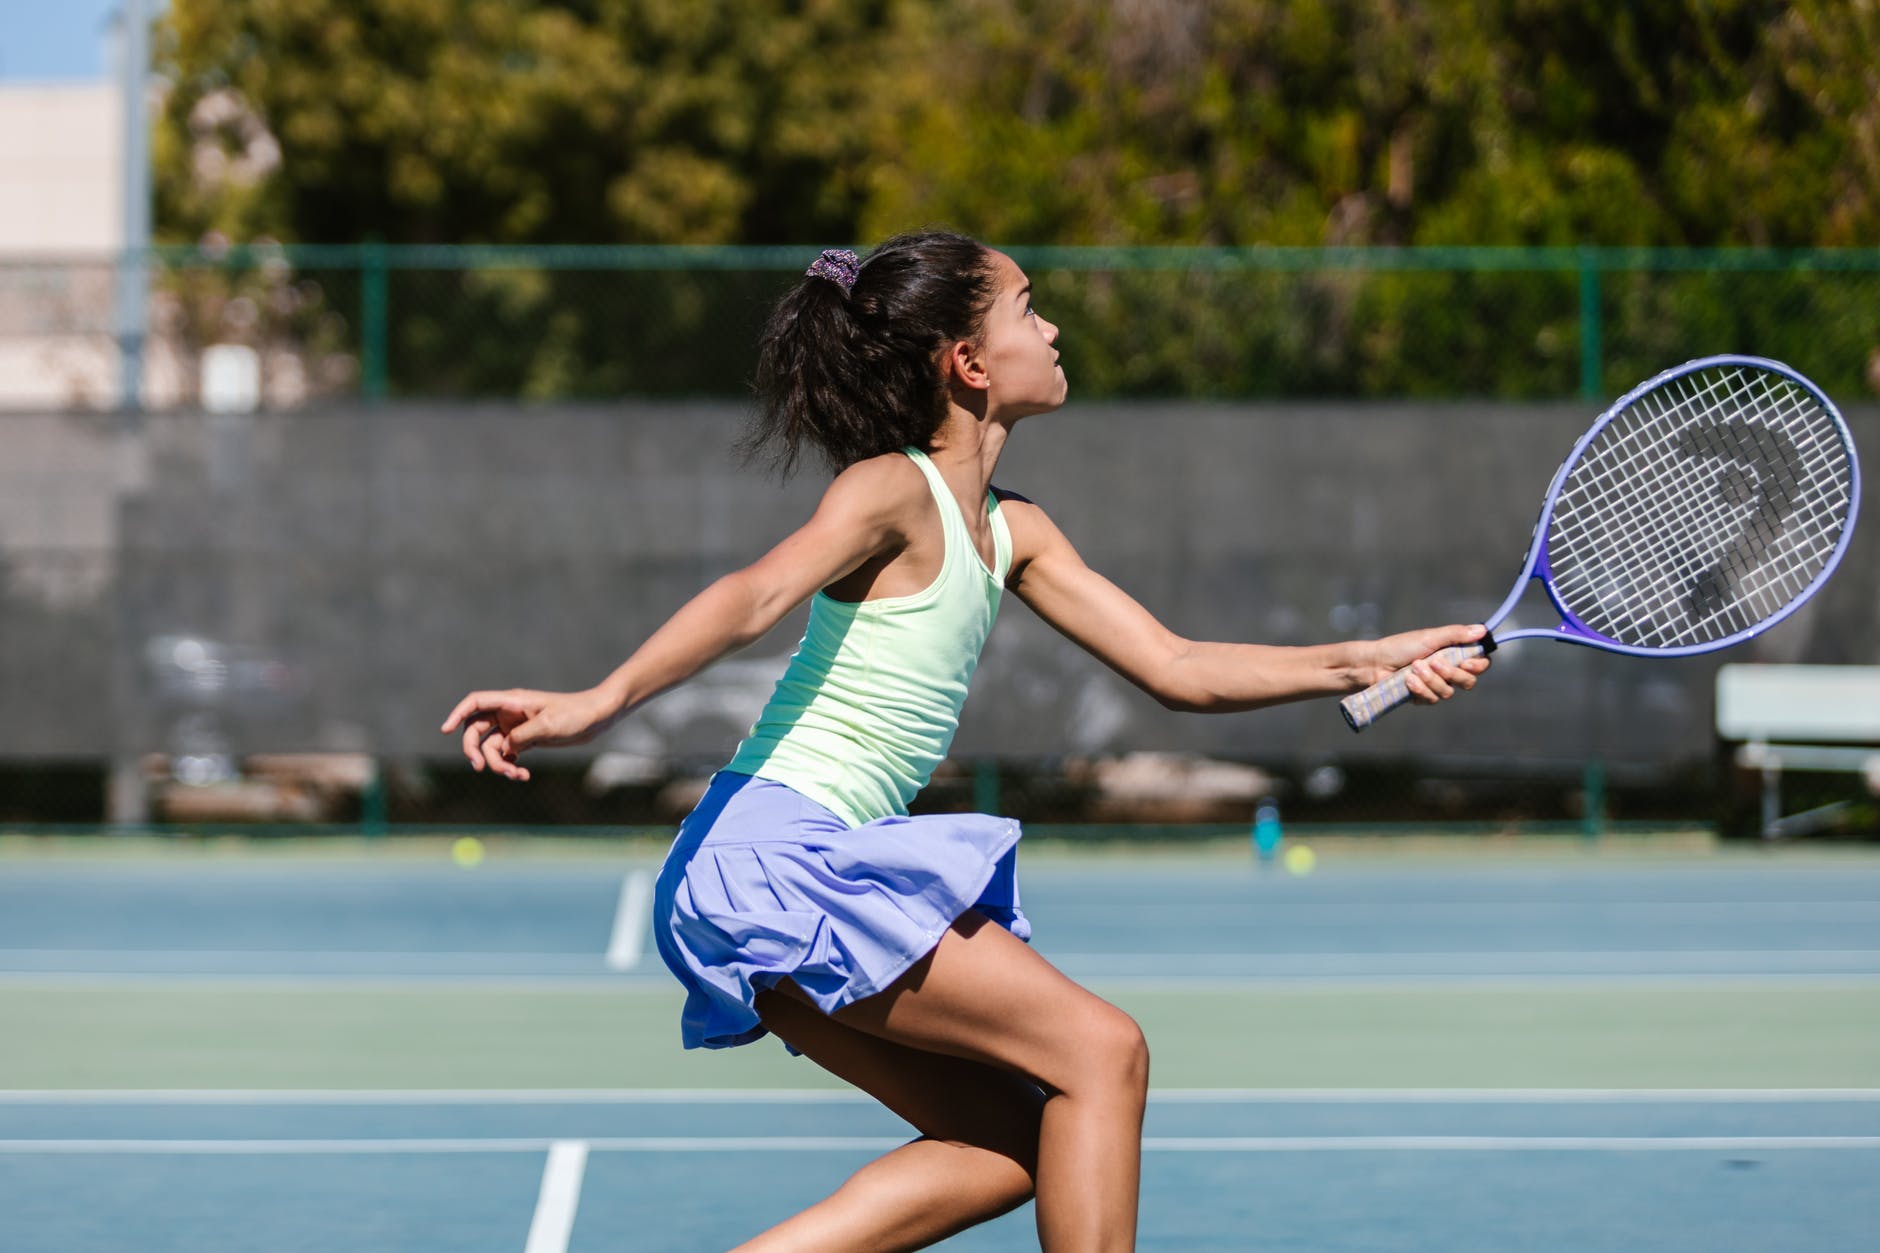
<point x="799" y="898"/>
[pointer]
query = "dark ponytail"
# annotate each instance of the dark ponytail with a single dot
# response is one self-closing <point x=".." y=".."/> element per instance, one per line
<point x="857" y="373"/>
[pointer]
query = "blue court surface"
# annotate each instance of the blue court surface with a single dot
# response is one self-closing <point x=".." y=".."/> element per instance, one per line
<point x="1683" y="1056"/>
<point x="1222" y="1171"/>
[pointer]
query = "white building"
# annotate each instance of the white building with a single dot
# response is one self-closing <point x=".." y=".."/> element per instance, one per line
<point x="60" y="153"/>
<point x="61" y="226"/>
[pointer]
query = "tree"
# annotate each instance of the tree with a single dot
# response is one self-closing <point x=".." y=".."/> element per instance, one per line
<point x="1418" y="121"/>
<point x="499" y="121"/>
<point x="1228" y="122"/>
<point x="496" y="121"/>
<point x="1354" y="122"/>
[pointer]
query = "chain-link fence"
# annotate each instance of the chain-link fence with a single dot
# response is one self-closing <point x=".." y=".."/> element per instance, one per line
<point x="539" y="324"/>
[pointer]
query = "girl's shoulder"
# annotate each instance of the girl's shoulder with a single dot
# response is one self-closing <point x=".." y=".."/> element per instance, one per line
<point x="887" y="467"/>
<point x="1031" y="529"/>
<point x="886" y="490"/>
<point x="1019" y="508"/>
<point x="890" y="478"/>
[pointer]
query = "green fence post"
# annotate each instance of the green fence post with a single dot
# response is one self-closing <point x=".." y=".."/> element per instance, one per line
<point x="372" y="803"/>
<point x="986" y="786"/>
<point x="1593" y="800"/>
<point x="374" y="297"/>
<point x="1592" y="386"/>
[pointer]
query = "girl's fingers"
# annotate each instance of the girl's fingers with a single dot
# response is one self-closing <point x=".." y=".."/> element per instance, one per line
<point x="1458" y="677"/>
<point x="473" y="733"/>
<point x="1431" y="679"/>
<point x="488" y="747"/>
<point x="463" y="709"/>
<point x="1434" y="688"/>
<point x="485" y="702"/>
<point x="496" y="755"/>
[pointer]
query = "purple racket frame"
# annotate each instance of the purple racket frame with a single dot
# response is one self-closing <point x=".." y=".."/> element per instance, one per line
<point x="1364" y="708"/>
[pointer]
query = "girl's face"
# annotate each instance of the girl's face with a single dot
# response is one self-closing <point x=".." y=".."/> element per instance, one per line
<point x="1021" y="371"/>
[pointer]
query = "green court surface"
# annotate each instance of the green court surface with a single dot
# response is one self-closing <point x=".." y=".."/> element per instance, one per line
<point x="1734" y="1034"/>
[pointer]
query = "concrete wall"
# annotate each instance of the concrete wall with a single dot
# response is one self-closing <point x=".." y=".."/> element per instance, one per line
<point x="335" y="579"/>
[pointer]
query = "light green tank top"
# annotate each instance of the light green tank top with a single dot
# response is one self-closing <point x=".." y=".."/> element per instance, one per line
<point x="872" y="697"/>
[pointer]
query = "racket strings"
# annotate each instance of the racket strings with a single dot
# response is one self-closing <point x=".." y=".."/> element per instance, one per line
<point x="1679" y="534"/>
<point x="1701" y="509"/>
<point x="1770" y="500"/>
<point x="1618" y="511"/>
<point x="1622" y="507"/>
<point x="1724" y="597"/>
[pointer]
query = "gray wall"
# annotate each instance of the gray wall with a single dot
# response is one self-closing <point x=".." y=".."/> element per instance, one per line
<point x="335" y="579"/>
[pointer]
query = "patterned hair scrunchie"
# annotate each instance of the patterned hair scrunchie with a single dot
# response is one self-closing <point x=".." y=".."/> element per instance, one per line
<point x="838" y="265"/>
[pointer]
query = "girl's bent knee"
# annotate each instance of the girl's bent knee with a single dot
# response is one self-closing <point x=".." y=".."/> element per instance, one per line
<point x="1134" y="1056"/>
<point x="1113" y="1053"/>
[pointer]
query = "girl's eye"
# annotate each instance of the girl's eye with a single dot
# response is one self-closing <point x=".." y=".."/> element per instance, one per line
<point x="1030" y="312"/>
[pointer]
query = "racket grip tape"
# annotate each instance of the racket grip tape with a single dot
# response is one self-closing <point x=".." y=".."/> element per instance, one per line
<point x="1361" y="709"/>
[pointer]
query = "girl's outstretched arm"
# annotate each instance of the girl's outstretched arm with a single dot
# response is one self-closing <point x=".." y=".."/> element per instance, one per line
<point x="1093" y="612"/>
<point x="865" y="512"/>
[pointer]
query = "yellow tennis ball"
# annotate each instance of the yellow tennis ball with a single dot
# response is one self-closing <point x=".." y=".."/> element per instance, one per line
<point x="467" y="852"/>
<point x="1300" y="859"/>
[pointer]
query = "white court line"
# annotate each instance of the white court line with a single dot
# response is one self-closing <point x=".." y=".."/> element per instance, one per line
<point x="1505" y="1144"/>
<point x="254" y="956"/>
<point x="643" y="981"/>
<point x="1292" y="916"/>
<point x="635" y="981"/>
<point x="849" y="1096"/>
<point x="1511" y="1096"/>
<point x="560" y="1197"/>
<point x="877" y="1144"/>
<point x="1502" y="962"/>
<point x="1345" y="984"/>
<point x="636" y="900"/>
<point x="636" y="890"/>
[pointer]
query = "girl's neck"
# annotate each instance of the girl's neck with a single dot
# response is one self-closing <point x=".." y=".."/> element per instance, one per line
<point x="967" y="443"/>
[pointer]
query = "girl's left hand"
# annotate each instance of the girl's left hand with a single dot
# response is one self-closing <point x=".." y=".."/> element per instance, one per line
<point x="497" y="726"/>
<point x="1431" y="679"/>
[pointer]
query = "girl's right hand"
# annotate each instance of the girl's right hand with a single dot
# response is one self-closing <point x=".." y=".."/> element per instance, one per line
<point x="498" y="726"/>
<point x="1431" y="678"/>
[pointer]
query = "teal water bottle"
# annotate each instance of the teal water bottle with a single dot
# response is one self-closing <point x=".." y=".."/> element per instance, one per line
<point x="1266" y="830"/>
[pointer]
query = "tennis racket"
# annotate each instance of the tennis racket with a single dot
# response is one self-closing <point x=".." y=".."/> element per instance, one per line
<point x="1700" y="510"/>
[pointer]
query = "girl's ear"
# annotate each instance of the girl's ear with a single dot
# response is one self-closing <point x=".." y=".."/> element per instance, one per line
<point x="966" y="365"/>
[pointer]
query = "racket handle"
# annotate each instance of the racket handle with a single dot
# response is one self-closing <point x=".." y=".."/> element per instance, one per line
<point x="1363" y="708"/>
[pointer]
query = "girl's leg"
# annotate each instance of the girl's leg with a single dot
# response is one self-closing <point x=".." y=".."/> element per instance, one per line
<point x="985" y="996"/>
<point x="979" y="1127"/>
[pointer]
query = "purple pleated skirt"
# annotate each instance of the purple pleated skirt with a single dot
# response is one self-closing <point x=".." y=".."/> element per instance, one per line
<point x="764" y="884"/>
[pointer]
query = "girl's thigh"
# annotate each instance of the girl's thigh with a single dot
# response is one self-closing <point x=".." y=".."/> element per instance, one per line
<point x="986" y="996"/>
<point x="945" y="1097"/>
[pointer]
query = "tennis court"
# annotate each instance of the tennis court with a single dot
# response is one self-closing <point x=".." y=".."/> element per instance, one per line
<point x="1591" y="1050"/>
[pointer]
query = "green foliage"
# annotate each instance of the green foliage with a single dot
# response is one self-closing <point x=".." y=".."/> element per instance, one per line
<point x="495" y="121"/>
<point x="544" y="335"/>
<point x="1350" y="122"/>
<point x="1340" y="122"/>
<point x="1227" y="122"/>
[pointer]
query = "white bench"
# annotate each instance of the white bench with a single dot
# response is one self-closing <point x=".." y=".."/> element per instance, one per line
<point x="1833" y="710"/>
